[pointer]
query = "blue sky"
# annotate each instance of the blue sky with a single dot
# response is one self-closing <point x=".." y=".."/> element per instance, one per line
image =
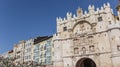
<point x="23" y="19"/>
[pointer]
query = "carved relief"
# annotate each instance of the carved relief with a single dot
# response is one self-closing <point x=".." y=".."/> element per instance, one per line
<point x="81" y="28"/>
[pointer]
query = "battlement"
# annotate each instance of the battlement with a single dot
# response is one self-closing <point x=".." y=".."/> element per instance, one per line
<point x="83" y="14"/>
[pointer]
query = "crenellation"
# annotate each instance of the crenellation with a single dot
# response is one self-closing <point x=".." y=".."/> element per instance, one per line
<point x="105" y="9"/>
<point x="108" y="4"/>
<point x="104" y="5"/>
<point x="57" y="20"/>
<point x="64" y="19"/>
<point x="102" y="8"/>
<point x="60" y="19"/>
<point x="97" y="10"/>
<point x="74" y="16"/>
<point x="91" y="9"/>
<point x="69" y="16"/>
<point x="85" y="13"/>
<point x="112" y="11"/>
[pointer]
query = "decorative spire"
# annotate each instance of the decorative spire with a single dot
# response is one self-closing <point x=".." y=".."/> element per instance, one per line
<point x="79" y="12"/>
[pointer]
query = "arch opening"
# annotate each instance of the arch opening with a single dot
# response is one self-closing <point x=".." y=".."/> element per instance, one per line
<point x="85" y="62"/>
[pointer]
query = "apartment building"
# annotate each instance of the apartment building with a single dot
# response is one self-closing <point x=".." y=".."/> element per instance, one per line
<point x="19" y="52"/>
<point x="28" y="50"/>
<point x="43" y="51"/>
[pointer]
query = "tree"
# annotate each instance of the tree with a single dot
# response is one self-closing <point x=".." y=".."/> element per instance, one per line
<point x="9" y="62"/>
<point x="6" y="62"/>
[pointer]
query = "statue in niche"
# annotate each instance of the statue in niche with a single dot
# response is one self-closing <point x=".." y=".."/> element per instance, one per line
<point x="84" y="50"/>
<point x="79" y="12"/>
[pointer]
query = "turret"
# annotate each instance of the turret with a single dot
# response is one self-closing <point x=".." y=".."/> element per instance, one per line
<point x="69" y="16"/>
<point x="91" y="9"/>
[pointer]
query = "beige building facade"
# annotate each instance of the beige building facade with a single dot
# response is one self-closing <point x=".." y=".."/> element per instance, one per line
<point x="28" y="50"/>
<point x="88" y="39"/>
<point x="18" y="52"/>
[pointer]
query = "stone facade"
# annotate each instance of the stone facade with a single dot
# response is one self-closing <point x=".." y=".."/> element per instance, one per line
<point x="89" y="38"/>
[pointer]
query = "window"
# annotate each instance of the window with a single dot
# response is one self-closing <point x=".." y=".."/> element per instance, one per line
<point x="29" y="56"/>
<point x="91" y="48"/>
<point x="64" y="28"/>
<point x="109" y="22"/>
<point x="45" y="47"/>
<point x="76" y="51"/>
<point x="100" y="19"/>
<point x="118" y="47"/>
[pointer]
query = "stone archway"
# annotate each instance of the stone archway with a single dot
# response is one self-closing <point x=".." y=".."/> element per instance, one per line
<point x="85" y="62"/>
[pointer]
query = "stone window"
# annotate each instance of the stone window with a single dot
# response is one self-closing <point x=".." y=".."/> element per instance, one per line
<point x="84" y="50"/>
<point x="64" y="28"/>
<point x="118" y="47"/>
<point x="109" y="22"/>
<point x="92" y="48"/>
<point x="76" y="51"/>
<point x="100" y="19"/>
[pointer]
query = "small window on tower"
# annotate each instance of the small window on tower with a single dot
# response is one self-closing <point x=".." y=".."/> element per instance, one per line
<point x="64" y="28"/>
<point x="118" y="47"/>
<point x="76" y="51"/>
<point x="100" y="19"/>
<point x="91" y="48"/>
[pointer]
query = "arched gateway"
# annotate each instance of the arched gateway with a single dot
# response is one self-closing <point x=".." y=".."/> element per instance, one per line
<point x="85" y="62"/>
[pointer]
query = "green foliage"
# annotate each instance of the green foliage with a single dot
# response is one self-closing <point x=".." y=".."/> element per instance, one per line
<point x="9" y="62"/>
